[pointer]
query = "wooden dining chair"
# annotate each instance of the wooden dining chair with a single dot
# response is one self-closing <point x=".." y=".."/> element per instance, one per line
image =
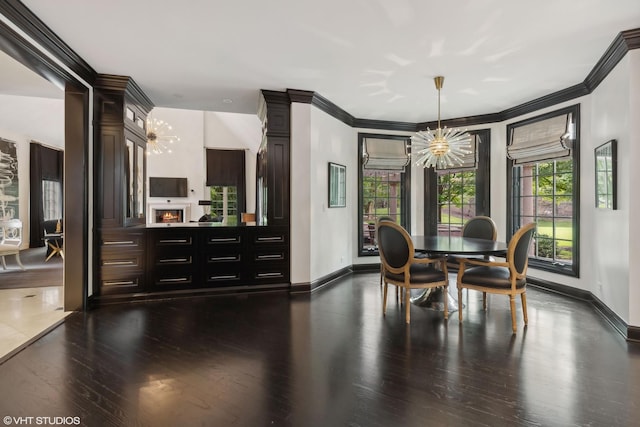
<point x="506" y="278"/>
<point x="403" y="269"/>
<point x="478" y="227"/>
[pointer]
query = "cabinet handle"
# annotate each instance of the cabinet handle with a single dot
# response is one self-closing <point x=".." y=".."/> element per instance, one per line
<point x="118" y="263"/>
<point x="171" y="260"/>
<point x="174" y="280"/>
<point x="174" y="241"/>
<point x="224" y="277"/>
<point x="224" y="258"/>
<point x="223" y="239"/>
<point x="119" y="283"/>
<point x="264" y="275"/>
<point x="270" y="256"/>
<point x="118" y="242"/>
<point x="270" y="239"/>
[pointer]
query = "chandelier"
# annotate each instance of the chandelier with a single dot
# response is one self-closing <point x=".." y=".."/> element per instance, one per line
<point x="441" y="148"/>
<point x="159" y="136"/>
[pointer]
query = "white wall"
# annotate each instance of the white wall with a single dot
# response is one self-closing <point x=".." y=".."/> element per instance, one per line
<point x="321" y="237"/>
<point x="631" y="179"/>
<point x="197" y="131"/>
<point x="24" y="119"/>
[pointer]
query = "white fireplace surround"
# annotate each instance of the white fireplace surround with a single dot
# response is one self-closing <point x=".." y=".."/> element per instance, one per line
<point x="154" y="207"/>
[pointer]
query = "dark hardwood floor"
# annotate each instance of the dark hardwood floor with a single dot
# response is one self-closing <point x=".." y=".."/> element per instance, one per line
<point x="331" y="359"/>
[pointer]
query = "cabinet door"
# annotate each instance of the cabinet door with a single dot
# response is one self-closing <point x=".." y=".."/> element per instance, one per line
<point x="134" y="182"/>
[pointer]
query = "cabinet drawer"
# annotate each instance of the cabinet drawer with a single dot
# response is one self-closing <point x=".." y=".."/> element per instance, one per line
<point x="224" y="237"/>
<point x="269" y="235"/>
<point x="223" y="276"/>
<point x="111" y="261"/>
<point x="118" y="240"/>
<point x="173" y="258"/>
<point x="116" y="282"/>
<point x="271" y="273"/>
<point x="270" y="254"/>
<point x="172" y="278"/>
<point x="177" y="240"/>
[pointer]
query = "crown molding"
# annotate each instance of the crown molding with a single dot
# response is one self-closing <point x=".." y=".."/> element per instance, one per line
<point x="125" y="85"/>
<point x="28" y="22"/>
<point x="623" y="43"/>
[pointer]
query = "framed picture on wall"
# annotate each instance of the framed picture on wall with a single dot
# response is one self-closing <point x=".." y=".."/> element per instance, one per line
<point x="337" y="185"/>
<point x="606" y="157"/>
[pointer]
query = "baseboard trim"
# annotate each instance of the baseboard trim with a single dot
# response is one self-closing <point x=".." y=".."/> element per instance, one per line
<point x="306" y="287"/>
<point x="629" y="333"/>
<point x="365" y="268"/>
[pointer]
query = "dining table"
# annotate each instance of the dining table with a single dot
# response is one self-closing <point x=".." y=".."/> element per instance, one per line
<point x="451" y="245"/>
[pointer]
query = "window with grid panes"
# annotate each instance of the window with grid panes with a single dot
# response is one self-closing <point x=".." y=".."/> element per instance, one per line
<point x="381" y="193"/>
<point x="224" y="204"/>
<point x="543" y="188"/>
<point x="455" y="195"/>
<point x="544" y="195"/>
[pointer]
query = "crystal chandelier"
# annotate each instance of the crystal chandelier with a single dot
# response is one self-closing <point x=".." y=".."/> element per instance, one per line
<point x="159" y="137"/>
<point x="441" y="148"/>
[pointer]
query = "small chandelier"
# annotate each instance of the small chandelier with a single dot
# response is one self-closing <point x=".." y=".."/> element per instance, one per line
<point x="159" y="137"/>
<point x="441" y="148"/>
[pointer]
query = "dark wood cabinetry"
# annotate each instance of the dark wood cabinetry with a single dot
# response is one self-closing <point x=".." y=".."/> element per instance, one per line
<point x="122" y="261"/>
<point x="268" y="251"/>
<point x="172" y="259"/>
<point x="225" y="263"/>
<point x="138" y="260"/>
<point x="273" y="169"/>
<point x="122" y="109"/>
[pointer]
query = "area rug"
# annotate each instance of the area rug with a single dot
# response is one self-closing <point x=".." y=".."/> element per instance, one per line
<point x="37" y="273"/>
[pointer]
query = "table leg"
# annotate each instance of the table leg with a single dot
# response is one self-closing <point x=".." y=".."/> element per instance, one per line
<point x="433" y="299"/>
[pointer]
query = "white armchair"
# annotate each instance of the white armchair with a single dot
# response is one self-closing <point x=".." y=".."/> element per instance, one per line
<point x="10" y="240"/>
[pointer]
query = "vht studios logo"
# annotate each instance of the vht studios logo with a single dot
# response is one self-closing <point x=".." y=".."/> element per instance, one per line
<point x="41" y="421"/>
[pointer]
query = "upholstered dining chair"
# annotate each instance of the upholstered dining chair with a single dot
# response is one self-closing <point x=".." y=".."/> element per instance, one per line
<point x="403" y="269"/>
<point x="10" y="240"/>
<point x="506" y="278"/>
<point x="478" y="227"/>
<point x="382" y="218"/>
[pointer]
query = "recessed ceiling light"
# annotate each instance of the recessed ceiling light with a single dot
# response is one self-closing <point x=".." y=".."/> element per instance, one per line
<point x="227" y="101"/>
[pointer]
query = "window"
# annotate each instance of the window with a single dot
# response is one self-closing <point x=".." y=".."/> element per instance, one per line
<point x="383" y="190"/>
<point x="51" y="199"/>
<point x="226" y="184"/>
<point x="224" y="204"/>
<point x="456" y="194"/>
<point x="544" y="185"/>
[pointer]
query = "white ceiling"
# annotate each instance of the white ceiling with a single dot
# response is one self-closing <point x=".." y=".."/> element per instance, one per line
<point x="376" y="59"/>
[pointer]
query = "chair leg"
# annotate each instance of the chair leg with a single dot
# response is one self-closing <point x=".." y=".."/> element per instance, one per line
<point x="19" y="262"/>
<point x="445" y="300"/>
<point x="484" y="301"/>
<point x="4" y="263"/>
<point x="459" y="303"/>
<point x="523" y="296"/>
<point x="512" y="302"/>
<point x="407" y="303"/>
<point x="384" y="299"/>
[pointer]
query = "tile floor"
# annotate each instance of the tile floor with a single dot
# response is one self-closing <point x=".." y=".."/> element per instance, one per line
<point x="26" y="314"/>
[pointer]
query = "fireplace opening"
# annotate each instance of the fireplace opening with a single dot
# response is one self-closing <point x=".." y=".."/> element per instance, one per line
<point x="169" y="215"/>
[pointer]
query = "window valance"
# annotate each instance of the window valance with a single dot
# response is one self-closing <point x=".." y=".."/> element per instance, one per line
<point x="546" y="139"/>
<point x="225" y="167"/>
<point x="467" y="161"/>
<point x="385" y="154"/>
